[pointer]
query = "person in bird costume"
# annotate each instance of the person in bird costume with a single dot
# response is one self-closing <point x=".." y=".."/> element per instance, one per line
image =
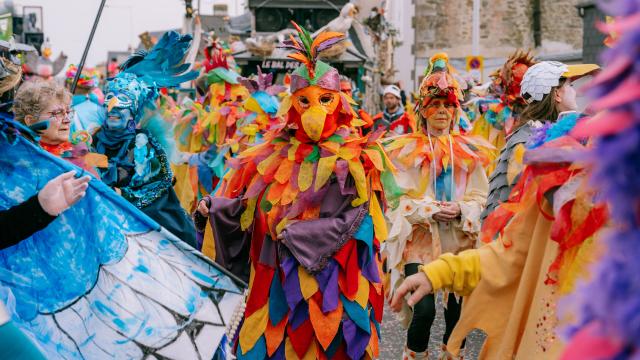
<point x="137" y="141"/>
<point x="444" y="188"/>
<point x="206" y="127"/>
<point x="304" y="212"/>
<point x="545" y="233"/>
<point x="261" y="111"/>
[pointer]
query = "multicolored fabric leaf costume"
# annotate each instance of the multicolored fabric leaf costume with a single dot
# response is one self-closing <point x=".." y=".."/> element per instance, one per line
<point x="206" y="128"/>
<point x="305" y="210"/>
<point x="498" y="121"/>
<point x="261" y="110"/>
<point x="104" y="280"/>
<point x="433" y="170"/>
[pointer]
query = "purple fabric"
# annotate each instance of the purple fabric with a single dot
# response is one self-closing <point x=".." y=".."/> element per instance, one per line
<point x="330" y="80"/>
<point x="313" y="242"/>
<point x="306" y="200"/>
<point x="299" y="315"/>
<point x="355" y="338"/>
<point x="298" y="82"/>
<point x="342" y="173"/>
<point x="268" y="253"/>
<point x="328" y="282"/>
<point x="279" y="354"/>
<point x="255" y="189"/>
<point x="370" y="270"/>
<point x="232" y="244"/>
<point x="291" y="283"/>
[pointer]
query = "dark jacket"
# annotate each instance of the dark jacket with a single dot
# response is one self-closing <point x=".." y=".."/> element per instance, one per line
<point x="21" y="221"/>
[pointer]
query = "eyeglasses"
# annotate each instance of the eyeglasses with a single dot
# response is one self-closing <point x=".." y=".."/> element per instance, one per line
<point x="62" y="114"/>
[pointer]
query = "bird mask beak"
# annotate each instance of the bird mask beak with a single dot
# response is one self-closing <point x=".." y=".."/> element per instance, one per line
<point x="112" y="103"/>
<point x="313" y="121"/>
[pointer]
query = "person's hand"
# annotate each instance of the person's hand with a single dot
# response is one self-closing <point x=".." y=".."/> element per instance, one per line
<point x="61" y="192"/>
<point x="449" y="211"/>
<point x="418" y="284"/>
<point x="203" y="209"/>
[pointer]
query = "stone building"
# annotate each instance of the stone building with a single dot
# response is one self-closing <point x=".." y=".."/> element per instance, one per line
<point x="553" y="28"/>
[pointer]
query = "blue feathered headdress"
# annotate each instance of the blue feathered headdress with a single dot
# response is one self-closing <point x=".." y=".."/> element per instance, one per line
<point x="144" y="73"/>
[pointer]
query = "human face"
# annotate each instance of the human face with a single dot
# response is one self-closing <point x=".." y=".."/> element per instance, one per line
<point x="315" y="104"/>
<point x="439" y="114"/>
<point x="118" y="118"/>
<point x="391" y="102"/>
<point x="345" y="87"/>
<point x="58" y="114"/>
<point x="566" y="97"/>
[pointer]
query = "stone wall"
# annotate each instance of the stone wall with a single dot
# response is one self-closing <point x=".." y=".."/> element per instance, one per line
<point x="505" y="25"/>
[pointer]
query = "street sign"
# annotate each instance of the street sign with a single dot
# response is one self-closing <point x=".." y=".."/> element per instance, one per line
<point x="475" y="66"/>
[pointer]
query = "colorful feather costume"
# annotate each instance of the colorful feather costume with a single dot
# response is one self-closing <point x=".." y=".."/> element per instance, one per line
<point x="207" y="127"/>
<point x="261" y="111"/>
<point x="500" y="119"/>
<point x="140" y="144"/>
<point x="434" y="169"/>
<point x="305" y="209"/>
<point x="609" y="326"/>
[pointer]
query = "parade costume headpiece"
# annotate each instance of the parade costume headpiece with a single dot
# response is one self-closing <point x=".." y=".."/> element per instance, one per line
<point x="263" y="93"/>
<point x="316" y="107"/>
<point x="216" y="66"/>
<point x="545" y="75"/>
<point x="144" y="73"/>
<point x="306" y="51"/>
<point x="439" y="82"/>
<point x="511" y="75"/>
<point x="88" y="77"/>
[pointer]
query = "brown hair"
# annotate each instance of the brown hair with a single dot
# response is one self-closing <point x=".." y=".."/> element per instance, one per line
<point x="34" y="96"/>
<point x="543" y="110"/>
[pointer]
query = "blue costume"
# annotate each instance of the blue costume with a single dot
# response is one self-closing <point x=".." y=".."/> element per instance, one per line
<point x="143" y="173"/>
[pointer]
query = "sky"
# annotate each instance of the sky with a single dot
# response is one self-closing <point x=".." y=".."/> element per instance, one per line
<point x="67" y="23"/>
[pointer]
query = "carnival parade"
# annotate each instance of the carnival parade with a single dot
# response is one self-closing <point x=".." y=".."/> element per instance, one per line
<point x="320" y="179"/>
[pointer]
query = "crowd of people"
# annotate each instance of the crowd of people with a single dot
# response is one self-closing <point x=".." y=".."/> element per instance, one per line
<point x="516" y="207"/>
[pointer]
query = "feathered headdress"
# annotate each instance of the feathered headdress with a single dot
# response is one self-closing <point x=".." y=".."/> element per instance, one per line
<point x="512" y="73"/>
<point x="306" y="51"/>
<point x="144" y="73"/>
<point x="439" y="81"/>
<point x="263" y="92"/>
<point x="216" y="65"/>
<point x="88" y="78"/>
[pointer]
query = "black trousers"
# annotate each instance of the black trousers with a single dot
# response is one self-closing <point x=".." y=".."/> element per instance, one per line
<point x="424" y="312"/>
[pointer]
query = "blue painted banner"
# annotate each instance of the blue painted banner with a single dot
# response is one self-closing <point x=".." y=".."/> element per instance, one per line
<point x="103" y="280"/>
